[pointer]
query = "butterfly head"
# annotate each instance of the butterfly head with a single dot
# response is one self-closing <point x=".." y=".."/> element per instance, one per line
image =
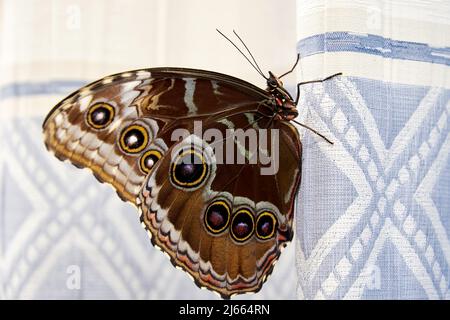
<point x="284" y="104"/>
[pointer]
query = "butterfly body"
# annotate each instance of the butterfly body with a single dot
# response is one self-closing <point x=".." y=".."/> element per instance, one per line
<point x="224" y="223"/>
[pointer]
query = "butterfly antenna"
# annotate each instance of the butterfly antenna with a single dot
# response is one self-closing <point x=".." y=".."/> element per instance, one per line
<point x="257" y="70"/>
<point x="248" y="50"/>
<point x="311" y="129"/>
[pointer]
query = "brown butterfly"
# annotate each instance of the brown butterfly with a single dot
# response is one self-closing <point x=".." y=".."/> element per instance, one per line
<point x="225" y="224"/>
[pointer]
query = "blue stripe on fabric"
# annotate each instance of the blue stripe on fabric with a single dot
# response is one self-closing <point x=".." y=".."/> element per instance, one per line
<point x="374" y="45"/>
<point x="19" y="89"/>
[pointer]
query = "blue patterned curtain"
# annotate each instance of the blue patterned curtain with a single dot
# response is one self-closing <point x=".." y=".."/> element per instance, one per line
<point x="373" y="213"/>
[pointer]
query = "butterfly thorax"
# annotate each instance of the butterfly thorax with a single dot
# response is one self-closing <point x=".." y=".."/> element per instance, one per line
<point x="283" y="103"/>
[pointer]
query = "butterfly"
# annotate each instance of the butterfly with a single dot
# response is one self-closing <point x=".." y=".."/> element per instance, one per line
<point x="225" y="224"/>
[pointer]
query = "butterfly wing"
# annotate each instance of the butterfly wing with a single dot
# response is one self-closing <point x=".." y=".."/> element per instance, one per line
<point x="86" y="127"/>
<point x="198" y="224"/>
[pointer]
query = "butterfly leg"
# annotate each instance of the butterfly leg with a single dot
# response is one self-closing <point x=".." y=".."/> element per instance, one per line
<point x="293" y="67"/>
<point x="313" y="81"/>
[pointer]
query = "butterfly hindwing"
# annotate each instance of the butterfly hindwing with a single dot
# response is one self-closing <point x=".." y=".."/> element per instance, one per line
<point x="175" y="214"/>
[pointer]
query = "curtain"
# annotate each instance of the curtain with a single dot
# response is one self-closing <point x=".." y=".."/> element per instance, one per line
<point x="62" y="234"/>
<point x="373" y="211"/>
